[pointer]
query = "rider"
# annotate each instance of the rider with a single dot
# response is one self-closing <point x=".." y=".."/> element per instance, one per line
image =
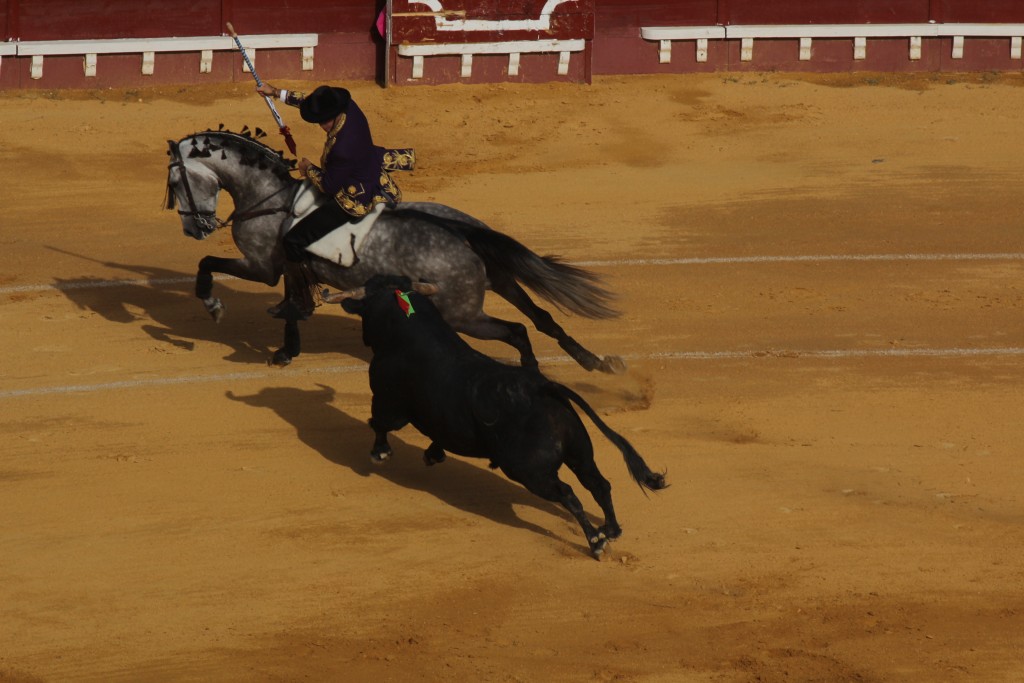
<point x="353" y="171"/>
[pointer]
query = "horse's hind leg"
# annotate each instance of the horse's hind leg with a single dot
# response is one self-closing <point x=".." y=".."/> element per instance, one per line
<point x="512" y="333"/>
<point x="509" y="289"/>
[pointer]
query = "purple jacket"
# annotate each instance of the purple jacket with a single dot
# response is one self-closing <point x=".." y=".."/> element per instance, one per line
<point x="352" y="169"/>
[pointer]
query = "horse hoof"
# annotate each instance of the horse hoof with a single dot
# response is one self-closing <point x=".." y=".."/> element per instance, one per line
<point x="613" y="365"/>
<point x="216" y="309"/>
<point x="280" y="358"/>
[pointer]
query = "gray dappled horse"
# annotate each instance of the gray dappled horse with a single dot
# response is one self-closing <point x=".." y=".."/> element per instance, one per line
<point x="425" y="241"/>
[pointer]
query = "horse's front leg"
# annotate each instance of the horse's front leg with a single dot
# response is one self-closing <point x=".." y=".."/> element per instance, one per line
<point x="240" y="268"/>
<point x="292" y="344"/>
<point x="254" y="272"/>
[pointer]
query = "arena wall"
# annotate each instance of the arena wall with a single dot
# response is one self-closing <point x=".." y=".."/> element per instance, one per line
<point x="443" y="41"/>
<point x="347" y="46"/>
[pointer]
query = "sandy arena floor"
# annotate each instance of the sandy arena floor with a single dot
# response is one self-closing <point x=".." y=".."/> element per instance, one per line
<point x="822" y="286"/>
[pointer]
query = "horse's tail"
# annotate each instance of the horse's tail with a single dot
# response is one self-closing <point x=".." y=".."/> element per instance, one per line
<point x="566" y="286"/>
<point x="638" y="469"/>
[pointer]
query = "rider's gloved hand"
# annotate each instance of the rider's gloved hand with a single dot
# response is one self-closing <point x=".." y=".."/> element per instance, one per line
<point x="267" y="90"/>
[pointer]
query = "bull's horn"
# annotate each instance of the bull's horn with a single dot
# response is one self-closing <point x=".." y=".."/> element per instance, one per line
<point x="426" y="288"/>
<point x="338" y="297"/>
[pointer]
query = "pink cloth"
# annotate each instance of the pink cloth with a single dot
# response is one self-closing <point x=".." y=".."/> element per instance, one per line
<point x="381" y="22"/>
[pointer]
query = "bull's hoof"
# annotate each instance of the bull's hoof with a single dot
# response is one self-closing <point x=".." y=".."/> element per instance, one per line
<point x="433" y="456"/>
<point x="280" y="358"/>
<point x="598" y="545"/>
<point x="613" y="365"/>
<point x="380" y="458"/>
<point x="610" y="532"/>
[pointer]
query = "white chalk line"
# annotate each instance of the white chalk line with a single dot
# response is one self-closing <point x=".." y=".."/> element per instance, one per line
<point x="822" y="354"/>
<point x="696" y="261"/>
<point x="815" y="258"/>
<point x="837" y="353"/>
<point x="184" y="379"/>
<point x="101" y="284"/>
<point x="679" y="355"/>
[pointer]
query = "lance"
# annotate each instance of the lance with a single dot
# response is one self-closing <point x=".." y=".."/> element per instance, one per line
<point x="270" y="103"/>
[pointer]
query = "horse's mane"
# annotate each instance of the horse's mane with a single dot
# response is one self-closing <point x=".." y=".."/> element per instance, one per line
<point x="251" y="151"/>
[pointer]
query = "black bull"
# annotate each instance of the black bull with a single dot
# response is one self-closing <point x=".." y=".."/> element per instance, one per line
<point x="425" y="374"/>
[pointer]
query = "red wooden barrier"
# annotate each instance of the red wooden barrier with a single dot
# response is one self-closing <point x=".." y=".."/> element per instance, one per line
<point x="347" y="48"/>
<point x="824" y="12"/>
<point x="520" y="40"/>
<point x="69" y="20"/>
<point x="476" y="40"/>
<point x="617" y="50"/>
<point x="990" y="11"/>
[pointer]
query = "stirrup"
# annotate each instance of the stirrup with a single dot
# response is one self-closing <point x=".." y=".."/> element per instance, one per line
<point x="289" y="310"/>
<point x="276" y="308"/>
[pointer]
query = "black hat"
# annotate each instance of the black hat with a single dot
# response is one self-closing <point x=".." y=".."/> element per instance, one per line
<point x="324" y="103"/>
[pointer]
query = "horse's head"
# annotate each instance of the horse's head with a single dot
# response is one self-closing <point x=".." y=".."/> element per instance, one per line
<point x="204" y="163"/>
<point x="194" y="187"/>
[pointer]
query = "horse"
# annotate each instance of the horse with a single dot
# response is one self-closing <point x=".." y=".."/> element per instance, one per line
<point x="424" y="241"/>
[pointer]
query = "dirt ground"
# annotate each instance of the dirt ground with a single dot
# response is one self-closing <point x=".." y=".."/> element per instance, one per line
<point x="821" y="281"/>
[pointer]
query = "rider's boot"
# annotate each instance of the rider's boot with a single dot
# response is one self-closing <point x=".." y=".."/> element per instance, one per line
<point x="299" y="302"/>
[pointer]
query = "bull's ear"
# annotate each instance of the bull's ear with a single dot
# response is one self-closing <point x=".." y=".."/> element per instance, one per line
<point x="425" y="288"/>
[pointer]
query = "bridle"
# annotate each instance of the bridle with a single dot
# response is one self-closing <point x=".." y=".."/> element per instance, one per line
<point x="207" y="221"/>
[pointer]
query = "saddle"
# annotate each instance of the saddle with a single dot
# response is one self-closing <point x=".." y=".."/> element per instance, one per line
<point x="342" y="244"/>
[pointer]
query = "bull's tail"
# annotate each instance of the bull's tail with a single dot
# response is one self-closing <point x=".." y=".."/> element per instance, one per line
<point x="638" y="469"/>
<point x="566" y="286"/>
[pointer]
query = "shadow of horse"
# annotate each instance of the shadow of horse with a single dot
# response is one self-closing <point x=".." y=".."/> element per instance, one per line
<point x="162" y="302"/>
<point x="454" y="482"/>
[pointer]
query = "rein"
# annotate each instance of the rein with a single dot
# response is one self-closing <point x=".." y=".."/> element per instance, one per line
<point x="252" y="212"/>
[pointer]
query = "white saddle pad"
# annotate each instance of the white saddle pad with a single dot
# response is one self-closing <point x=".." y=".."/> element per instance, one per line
<point x="342" y="244"/>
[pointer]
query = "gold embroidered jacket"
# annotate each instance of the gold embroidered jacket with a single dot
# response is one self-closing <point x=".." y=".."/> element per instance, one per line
<point x="353" y="170"/>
